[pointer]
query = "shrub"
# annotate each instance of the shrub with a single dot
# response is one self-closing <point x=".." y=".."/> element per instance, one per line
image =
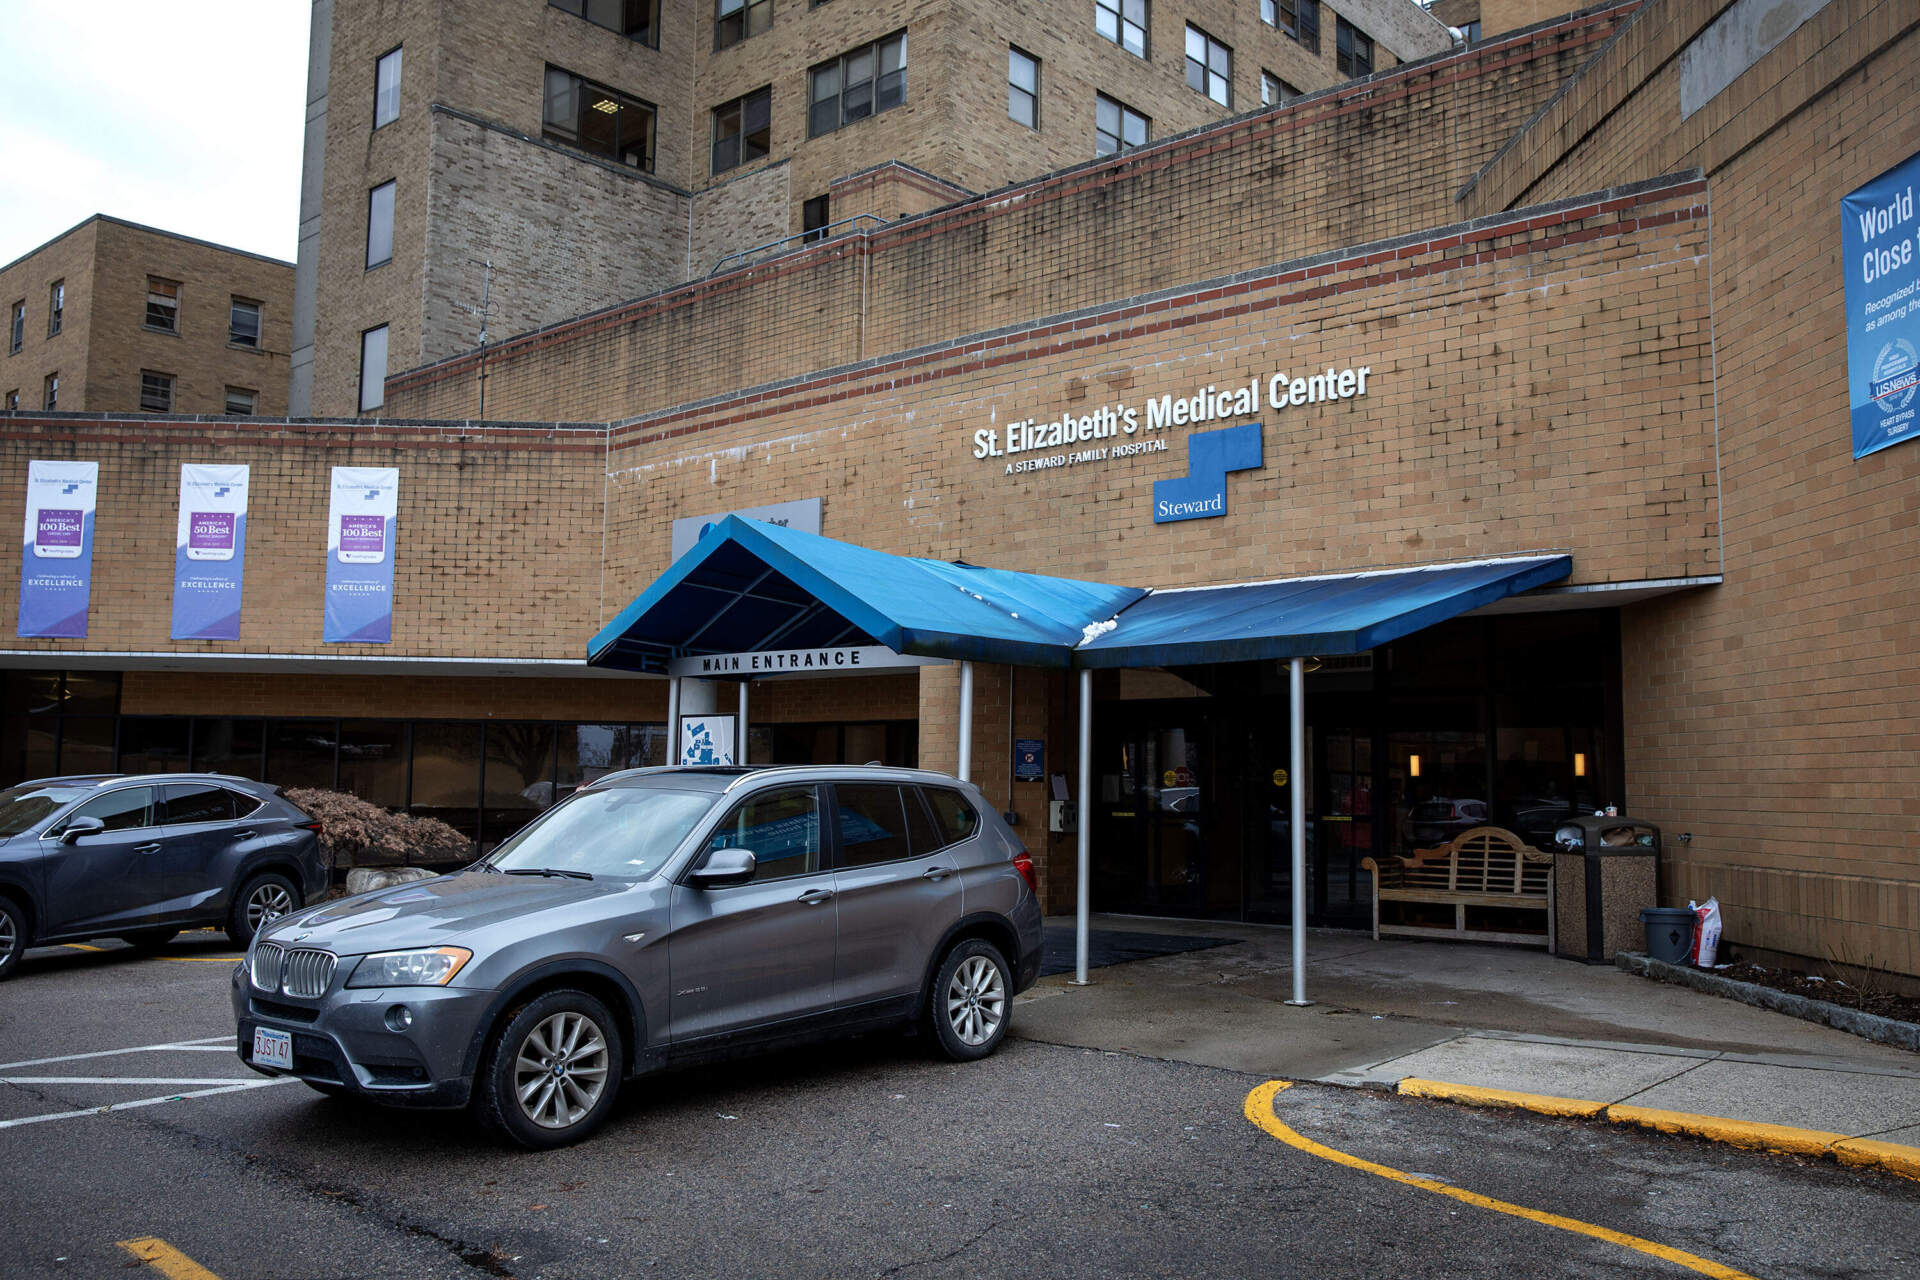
<point x="355" y="833"/>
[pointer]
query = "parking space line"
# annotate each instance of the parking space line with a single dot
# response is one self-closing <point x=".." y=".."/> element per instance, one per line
<point x="210" y="1044"/>
<point x="80" y="946"/>
<point x="1259" y="1109"/>
<point x="148" y="1102"/>
<point x="166" y="1259"/>
<point x="200" y="959"/>
<point x="112" y="1080"/>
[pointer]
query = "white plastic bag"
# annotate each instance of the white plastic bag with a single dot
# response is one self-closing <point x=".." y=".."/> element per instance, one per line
<point x="1706" y="932"/>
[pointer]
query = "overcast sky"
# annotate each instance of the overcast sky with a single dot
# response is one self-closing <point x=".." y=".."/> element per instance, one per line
<point x="181" y="114"/>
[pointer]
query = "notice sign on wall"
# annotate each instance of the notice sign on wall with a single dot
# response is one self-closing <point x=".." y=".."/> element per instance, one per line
<point x="360" y="542"/>
<point x="1879" y="243"/>
<point x="210" y="552"/>
<point x="706" y="739"/>
<point x="56" y="560"/>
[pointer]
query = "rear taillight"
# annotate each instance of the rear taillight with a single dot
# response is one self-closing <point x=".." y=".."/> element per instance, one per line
<point x="316" y="826"/>
<point x="1023" y="863"/>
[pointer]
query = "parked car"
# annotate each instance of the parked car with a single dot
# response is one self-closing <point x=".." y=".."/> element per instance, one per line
<point x="1439" y="820"/>
<point x="141" y="857"/>
<point x="655" y="918"/>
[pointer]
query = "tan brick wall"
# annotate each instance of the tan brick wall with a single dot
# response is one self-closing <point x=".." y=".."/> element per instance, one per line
<point x="28" y="280"/>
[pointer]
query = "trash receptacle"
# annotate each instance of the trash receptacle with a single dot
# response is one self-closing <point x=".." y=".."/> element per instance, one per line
<point x="1604" y="870"/>
<point x="1669" y="933"/>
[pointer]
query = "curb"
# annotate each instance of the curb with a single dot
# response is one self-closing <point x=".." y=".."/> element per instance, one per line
<point x="1868" y="1026"/>
<point x="1862" y="1153"/>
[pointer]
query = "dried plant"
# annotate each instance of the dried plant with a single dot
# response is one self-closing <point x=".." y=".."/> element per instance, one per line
<point x="356" y="833"/>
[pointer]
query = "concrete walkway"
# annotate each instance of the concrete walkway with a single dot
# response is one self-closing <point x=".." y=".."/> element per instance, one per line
<point x="1490" y="1024"/>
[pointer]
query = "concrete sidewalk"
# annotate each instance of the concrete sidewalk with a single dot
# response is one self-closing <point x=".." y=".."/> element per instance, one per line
<point x="1495" y="1025"/>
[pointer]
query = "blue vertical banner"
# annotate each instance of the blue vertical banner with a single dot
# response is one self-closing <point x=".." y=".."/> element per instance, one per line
<point x="360" y="540"/>
<point x="210" y="552"/>
<point x="56" y="563"/>
<point x="1879" y="245"/>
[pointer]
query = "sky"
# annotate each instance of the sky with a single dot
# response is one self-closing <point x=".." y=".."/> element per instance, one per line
<point x="181" y="114"/>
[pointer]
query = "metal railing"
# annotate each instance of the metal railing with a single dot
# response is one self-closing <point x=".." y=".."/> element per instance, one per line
<point x="772" y="247"/>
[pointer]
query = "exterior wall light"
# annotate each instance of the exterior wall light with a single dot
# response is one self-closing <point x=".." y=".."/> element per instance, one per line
<point x="1413" y="765"/>
<point x="1579" y="764"/>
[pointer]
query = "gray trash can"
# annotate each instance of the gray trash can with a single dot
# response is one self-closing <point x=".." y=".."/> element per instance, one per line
<point x="1604" y="870"/>
<point x="1669" y="933"/>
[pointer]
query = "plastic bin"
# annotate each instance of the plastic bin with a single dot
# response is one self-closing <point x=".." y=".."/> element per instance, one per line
<point x="1669" y="933"/>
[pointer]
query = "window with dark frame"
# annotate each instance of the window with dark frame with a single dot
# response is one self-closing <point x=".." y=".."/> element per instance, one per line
<point x="1471" y="31"/>
<point x="859" y="83"/>
<point x="386" y="88"/>
<point x="742" y="129"/>
<point x="1300" y="19"/>
<point x="380" y="225"/>
<point x="637" y="20"/>
<point x="1209" y="66"/>
<point x="1117" y="127"/>
<point x="597" y="119"/>
<point x="156" y="392"/>
<point x="56" y="306"/>
<point x="243" y="323"/>
<point x="51" y="388"/>
<point x="1274" y="90"/>
<point x="163" y="304"/>
<point x="814" y="217"/>
<point x="13" y="400"/>
<point x="735" y="20"/>
<point x="241" y="402"/>
<point x="373" y="368"/>
<point x="1124" y="22"/>
<point x="1354" y="51"/>
<point x="1023" y="87"/>
<point x="17" y="327"/>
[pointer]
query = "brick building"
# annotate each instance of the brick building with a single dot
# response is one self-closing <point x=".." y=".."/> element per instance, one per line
<point x="1594" y="279"/>
<point x="596" y="150"/>
<point x="112" y="316"/>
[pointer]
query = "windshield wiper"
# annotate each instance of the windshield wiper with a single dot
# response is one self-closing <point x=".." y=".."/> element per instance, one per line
<point x="550" y="871"/>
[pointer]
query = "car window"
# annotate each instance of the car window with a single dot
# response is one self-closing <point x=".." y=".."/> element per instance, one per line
<point x="921" y="832"/>
<point x="121" y="810"/>
<point x="780" y="827"/>
<point x="196" y="803"/>
<point x="24" y="805"/>
<point x="955" y="816"/>
<point x="244" y="804"/>
<point x="873" y="824"/>
<point x="606" y="831"/>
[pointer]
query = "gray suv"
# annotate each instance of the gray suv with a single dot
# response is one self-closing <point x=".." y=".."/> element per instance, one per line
<point x="653" y="919"/>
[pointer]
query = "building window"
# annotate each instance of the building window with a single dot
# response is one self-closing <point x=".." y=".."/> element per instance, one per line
<point x="156" y="392"/>
<point x="1298" y="18"/>
<point x="595" y="118"/>
<point x="1470" y="32"/>
<point x="1023" y="87"/>
<point x="1274" y="90"/>
<point x="386" y="89"/>
<point x="858" y="84"/>
<point x="634" y="19"/>
<point x="1355" y="53"/>
<point x="1124" y="22"/>
<point x="243" y="323"/>
<point x="51" y="399"/>
<point x="17" y="327"/>
<point x="735" y="20"/>
<point x="1209" y="66"/>
<point x="13" y="400"/>
<point x="1117" y="127"/>
<point x="163" y="304"/>
<point x="241" y="401"/>
<point x="380" y="225"/>
<point x="742" y="129"/>
<point x="814" y="218"/>
<point x="56" y="306"/>
<point x="373" y="368"/>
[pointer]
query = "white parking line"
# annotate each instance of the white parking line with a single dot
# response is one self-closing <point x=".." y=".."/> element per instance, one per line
<point x="113" y="1080"/>
<point x="212" y="1044"/>
<point x="147" y="1102"/>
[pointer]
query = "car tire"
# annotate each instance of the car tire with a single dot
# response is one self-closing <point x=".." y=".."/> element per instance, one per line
<point x="971" y="1002"/>
<point x="149" y="939"/>
<point x="551" y="1072"/>
<point x="261" y="899"/>
<point x="14" y="935"/>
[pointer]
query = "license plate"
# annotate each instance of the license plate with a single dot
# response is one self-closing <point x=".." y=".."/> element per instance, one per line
<point x="273" y="1048"/>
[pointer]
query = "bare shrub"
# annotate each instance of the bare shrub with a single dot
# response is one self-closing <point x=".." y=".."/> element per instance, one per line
<point x="355" y="833"/>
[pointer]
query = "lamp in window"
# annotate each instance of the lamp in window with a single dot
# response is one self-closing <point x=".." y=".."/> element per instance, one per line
<point x="1579" y="764"/>
<point x="1413" y="765"/>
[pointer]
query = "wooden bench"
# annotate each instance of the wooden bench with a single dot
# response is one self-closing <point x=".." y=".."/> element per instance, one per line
<point x="1487" y="867"/>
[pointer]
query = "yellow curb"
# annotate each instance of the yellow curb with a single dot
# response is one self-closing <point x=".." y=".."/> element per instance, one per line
<point x="1738" y="1133"/>
<point x="1472" y="1095"/>
<point x="1868" y="1153"/>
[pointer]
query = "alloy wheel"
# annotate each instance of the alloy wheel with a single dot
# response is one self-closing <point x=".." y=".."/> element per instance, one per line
<point x="976" y="1000"/>
<point x="560" y="1070"/>
<point x="9" y="936"/>
<point x="268" y="902"/>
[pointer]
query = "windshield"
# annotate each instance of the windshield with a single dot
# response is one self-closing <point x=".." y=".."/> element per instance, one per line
<point x="23" y="806"/>
<point x="619" y="831"/>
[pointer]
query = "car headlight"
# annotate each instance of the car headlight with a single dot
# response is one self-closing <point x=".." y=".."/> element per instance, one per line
<point x="433" y="967"/>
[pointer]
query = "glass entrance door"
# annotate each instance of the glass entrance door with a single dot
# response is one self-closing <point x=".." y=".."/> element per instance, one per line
<point x="1155" y="791"/>
<point x="1342" y="817"/>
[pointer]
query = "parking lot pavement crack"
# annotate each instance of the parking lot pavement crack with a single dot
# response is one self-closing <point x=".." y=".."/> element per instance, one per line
<point x="954" y="1252"/>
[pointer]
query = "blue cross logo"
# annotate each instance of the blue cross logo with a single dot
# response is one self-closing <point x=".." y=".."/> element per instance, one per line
<point x="69" y="488"/>
<point x="222" y="491"/>
<point x="1202" y="492"/>
<point x="372" y="494"/>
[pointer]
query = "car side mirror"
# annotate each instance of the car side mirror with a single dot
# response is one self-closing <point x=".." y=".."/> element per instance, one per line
<point x="81" y="827"/>
<point x="722" y="868"/>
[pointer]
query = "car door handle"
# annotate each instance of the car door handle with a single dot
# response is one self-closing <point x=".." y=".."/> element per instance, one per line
<point x="814" y="897"/>
<point x="147" y="848"/>
<point x="936" y="873"/>
<point x="245" y="835"/>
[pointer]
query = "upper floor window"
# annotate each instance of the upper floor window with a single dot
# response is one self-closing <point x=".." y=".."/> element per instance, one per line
<point x="241" y="401"/>
<point x="243" y="323"/>
<point x="51" y="399"/>
<point x="373" y="368"/>
<point x="634" y="19"/>
<point x="1117" y="127"/>
<point x="156" y="392"/>
<point x="735" y="20"/>
<point x="595" y="118"/>
<point x="814" y="216"/>
<point x="1124" y="22"/>
<point x="857" y="84"/>
<point x="386" y="89"/>
<point x="1023" y="87"/>
<point x="56" y="306"/>
<point x="1471" y="31"/>
<point x="1209" y="66"/>
<point x="380" y="225"/>
<point x="13" y="399"/>
<point x="1298" y="18"/>
<point x="742" y="129"/>
<point x="17" y="327"/>
<point x="163" y="304"/>
<point x="1354" y="55"/>
<point x="1275" y="90"/>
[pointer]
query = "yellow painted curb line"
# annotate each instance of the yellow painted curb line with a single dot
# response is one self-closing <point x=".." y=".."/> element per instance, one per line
<point x="1866" y="1153"/>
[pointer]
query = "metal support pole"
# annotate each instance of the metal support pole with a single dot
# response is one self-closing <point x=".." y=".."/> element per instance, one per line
<point x="1297" y="823"/>
<point x="740" y="746"/>
<point x="673" y="720"/>
<point x="1083" y="822"/>
<point x="966" y="722"/>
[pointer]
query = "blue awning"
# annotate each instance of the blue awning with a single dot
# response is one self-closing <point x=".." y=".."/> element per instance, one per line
<point x="1304" y="617"/>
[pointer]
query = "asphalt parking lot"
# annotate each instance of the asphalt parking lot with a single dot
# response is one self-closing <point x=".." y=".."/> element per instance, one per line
<point x="862" y="1159"/>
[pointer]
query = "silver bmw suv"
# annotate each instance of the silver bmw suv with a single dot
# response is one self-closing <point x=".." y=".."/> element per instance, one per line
<point x="653" y="919"/>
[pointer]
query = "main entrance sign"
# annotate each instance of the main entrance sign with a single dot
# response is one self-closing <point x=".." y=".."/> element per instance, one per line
<point x="773" y="662"/>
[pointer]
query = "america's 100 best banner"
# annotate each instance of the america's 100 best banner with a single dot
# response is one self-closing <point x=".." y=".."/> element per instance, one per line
<point x="1880" y="256"/>
<point x="360" y="538"/>
<point x="56" y="563"/>
<point x="210" y="552"/>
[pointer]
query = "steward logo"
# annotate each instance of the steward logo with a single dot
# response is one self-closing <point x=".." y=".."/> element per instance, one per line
<point x="1202" y="492"/>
